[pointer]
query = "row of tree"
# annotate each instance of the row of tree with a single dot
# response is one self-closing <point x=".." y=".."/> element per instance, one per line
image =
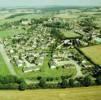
<point x="67" y="82"/>
<point x="12" y="82"/>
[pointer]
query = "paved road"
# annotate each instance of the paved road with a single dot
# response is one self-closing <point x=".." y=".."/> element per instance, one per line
<point x="7" y="60"/>
<point x="78" y="68"/>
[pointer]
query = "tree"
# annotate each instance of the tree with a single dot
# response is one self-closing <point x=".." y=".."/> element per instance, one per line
<point x="71" y="82"/>
<point x="22" y="86"/>
<point x="98" y="80"/>
<point x="57" y="33"/>
<point x="76" y="84"/>
<point x="87" y="81"/>
<point x="42" y="83"/>
<point x="64" y="83"/>
<point x="87" y="24"/>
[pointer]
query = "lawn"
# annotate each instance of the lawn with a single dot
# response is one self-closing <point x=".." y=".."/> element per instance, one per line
<point x="70" y="34"/>
<point x="3" y="67"/>
<point x="82" y="93"/>
<point x="94" y="53"/>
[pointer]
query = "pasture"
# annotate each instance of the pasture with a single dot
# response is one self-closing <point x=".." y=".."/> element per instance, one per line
<point x="82" y="93"/>
<point x="94" y="53"/>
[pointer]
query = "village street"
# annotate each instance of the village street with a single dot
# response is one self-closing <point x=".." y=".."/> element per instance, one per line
<point x="78" y="69"/>
<point x="7" y="60"/>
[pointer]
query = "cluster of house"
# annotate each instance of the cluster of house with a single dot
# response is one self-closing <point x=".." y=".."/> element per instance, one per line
<point x="28" y="50"/>
<point x="60" y="58"/>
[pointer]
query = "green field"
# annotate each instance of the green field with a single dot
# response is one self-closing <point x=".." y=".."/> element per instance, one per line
<point x="3" y="67"/>
<point x="94" y="53"/>
<point x="10" y="32"/>
<point x="18" y="18"/>
<point x="67" y="15"/>
<point x="28" y="16"/>
<point x="82" y="93"/>
<point x="70" y="34"/>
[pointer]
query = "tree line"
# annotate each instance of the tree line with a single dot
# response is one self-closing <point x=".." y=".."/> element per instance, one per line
<point x="15" y="83"/>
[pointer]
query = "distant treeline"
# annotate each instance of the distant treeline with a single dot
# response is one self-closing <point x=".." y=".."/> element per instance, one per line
<point x="19" y="14"/>
<point x="58" y="8"/>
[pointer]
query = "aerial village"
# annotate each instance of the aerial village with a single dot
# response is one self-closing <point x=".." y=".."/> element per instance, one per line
<point x="28" y="49"/>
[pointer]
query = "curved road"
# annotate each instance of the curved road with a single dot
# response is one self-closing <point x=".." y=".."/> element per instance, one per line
<point x="78" y="69"/>
<point x="7" y="60"/>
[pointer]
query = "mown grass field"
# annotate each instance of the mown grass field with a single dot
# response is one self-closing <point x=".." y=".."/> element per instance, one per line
<point x="69" y="34"/>
<point x="94" y="53"/>
<point x="10" y="32"/>
<point x="82" y="93"/>
<point x="3" y="67"/>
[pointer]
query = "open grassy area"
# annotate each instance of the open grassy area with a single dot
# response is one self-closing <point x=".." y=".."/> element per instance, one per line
<point x="9" y="32"/>
<point x="66" y="15"/>
<point x="70" y="34"/>
<point x="85" y="93"/>
<point x="94" y="53"/>
<point x="3" y="67"/>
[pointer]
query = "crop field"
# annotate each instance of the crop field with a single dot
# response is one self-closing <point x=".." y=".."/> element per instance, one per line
<point x="3" y="67"/>
<point x="85" y="93"/>
<point x="94" y="53"/>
